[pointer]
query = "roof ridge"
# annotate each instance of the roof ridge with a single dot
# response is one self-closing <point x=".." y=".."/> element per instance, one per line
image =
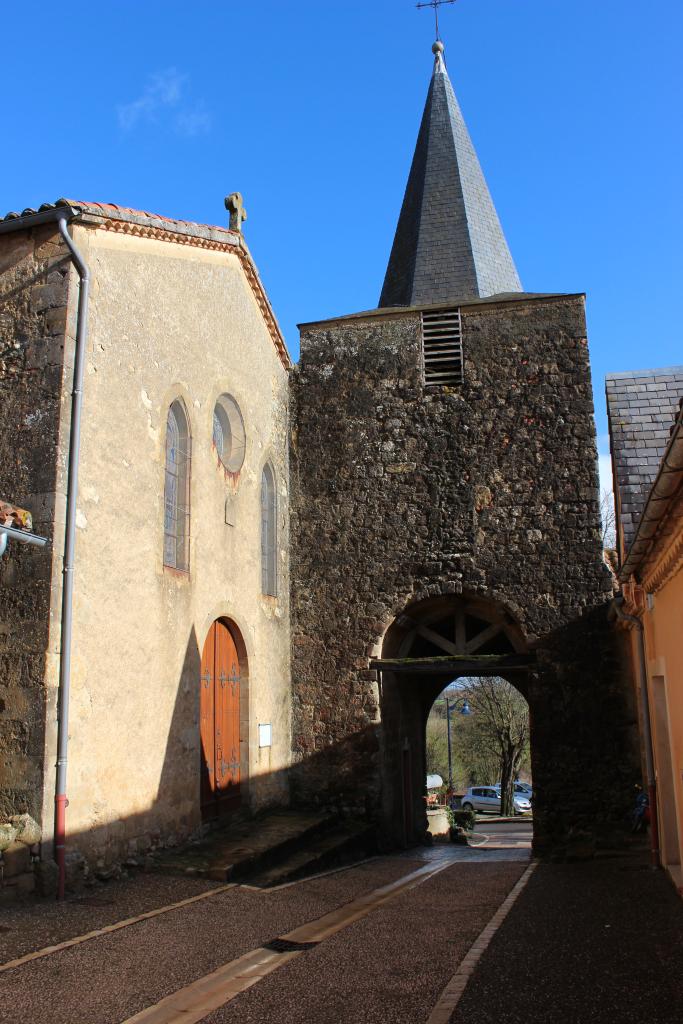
<point x="111" y="209"/>
<point x="657" y="371"/>
<point x="89" y="204"/>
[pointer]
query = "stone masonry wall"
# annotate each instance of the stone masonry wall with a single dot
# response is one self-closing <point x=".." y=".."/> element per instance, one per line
<point x="33" y="311"/>
<point x="400" y="492"/>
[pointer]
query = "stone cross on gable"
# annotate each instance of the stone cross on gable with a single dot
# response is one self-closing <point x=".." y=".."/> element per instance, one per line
<point x="235" y="207"/>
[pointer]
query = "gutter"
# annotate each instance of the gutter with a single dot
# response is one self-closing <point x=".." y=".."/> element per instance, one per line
<point x="61" y="801"/>
<point x="34" y="218"/>
<point x="651" y="780"/>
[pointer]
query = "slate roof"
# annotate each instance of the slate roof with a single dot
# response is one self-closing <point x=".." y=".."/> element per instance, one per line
<point x="641" y="408"/>
<point x="448" y="242"/>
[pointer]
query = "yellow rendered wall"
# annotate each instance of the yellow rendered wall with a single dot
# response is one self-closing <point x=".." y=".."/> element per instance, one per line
<point x="664" y="641"/>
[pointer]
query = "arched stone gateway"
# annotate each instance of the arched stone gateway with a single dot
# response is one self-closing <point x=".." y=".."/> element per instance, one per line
<point x="479" y="500"/>
<point x="430" y="644"/>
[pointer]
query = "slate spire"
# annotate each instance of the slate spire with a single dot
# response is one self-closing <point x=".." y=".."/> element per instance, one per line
<point x="449" y="244"/>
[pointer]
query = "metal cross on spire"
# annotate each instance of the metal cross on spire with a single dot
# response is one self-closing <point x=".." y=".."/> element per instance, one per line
<point x="435" y="4"/>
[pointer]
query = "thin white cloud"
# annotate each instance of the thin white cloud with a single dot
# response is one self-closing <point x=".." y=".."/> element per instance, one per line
<point x="163" y="90"/>
<point x="164" y="100"/>
<point x="193" y="121"/>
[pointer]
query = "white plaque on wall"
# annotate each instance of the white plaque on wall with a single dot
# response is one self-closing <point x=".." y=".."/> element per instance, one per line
<point x="265" y="735"/>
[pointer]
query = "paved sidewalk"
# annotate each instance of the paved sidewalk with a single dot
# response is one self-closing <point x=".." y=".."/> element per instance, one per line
<point x="391" y="966"/>
<point x="590" y="943"/>
<point x="387" y="964"/>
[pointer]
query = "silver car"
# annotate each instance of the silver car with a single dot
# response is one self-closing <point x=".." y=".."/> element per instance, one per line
<point x="522" y="788"/>
<point x="487" y="798"/>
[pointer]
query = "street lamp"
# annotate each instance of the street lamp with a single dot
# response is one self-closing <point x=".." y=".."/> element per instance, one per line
<point x="464" y="710"/>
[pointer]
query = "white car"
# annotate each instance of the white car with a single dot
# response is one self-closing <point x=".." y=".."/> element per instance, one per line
<point x="487" y="798"/>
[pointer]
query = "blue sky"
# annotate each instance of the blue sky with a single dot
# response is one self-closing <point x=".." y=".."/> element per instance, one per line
<point x="311" y="110"/>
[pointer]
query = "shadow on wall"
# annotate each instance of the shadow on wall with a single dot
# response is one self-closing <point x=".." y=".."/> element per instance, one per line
<point x="585" y="742"/>
<point x="584" y="751"/>
<point x="175" y="812"/>
<point x="168" y="822"/>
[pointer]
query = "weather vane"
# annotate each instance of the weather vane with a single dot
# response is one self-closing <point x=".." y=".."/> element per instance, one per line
<point x="435" y="4"/>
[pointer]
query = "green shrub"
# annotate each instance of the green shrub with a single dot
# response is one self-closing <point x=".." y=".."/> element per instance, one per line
<point x="463" y="819"/>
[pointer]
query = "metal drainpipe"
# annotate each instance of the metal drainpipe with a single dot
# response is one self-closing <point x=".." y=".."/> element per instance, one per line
<point x="68" y="564"/>
<point x="647" y="731"/>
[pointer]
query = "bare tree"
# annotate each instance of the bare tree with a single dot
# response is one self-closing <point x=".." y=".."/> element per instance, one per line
<point x="609" y="521"/>
<point x="500" y="722"/>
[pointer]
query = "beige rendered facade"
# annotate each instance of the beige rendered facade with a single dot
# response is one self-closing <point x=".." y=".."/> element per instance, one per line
<point x="177" y="314"/>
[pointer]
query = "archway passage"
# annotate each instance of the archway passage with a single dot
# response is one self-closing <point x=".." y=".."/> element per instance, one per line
<point x="478" y="738"/>
<point x="219" y="723"/>
<point x="432" y="643"/>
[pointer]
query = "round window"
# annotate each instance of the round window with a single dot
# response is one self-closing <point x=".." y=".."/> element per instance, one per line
<point x="228" y="433"/>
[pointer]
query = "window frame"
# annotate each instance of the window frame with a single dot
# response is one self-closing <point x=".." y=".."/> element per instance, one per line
<point x="269" y="532"/>
<point x="177" y="476"/>
<point x="228" y="414"/>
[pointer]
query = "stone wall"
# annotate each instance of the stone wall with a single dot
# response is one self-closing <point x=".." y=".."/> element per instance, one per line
<point x="34" y="274"/>
<point x="585" y="750"/>
<point x="399" y="492"/>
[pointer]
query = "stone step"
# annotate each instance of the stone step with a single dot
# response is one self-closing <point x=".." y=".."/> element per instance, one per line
<point x="237" y="849"/>
<point x="337" y="846"/>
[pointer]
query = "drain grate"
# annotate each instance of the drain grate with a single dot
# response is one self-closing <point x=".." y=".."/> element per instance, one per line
<point x="288" y="945"/>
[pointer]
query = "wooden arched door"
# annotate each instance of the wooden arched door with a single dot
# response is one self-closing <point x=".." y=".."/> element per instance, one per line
<point x="219" y="723"/>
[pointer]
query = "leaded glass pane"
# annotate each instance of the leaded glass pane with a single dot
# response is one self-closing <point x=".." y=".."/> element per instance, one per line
<point x="268" y="533"/>
<point x="177" y="490"/>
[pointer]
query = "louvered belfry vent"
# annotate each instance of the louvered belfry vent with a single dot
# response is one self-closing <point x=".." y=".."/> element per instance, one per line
<point x="442" y="346"/>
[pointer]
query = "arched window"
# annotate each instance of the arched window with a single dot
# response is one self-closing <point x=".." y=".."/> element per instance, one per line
<point x="229" y="438"/>
<point x="177" y="489"/>
<point x="268" y="532"/>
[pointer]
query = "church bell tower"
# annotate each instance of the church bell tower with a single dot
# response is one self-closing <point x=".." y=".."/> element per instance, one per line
<point x="445" y="514"/>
